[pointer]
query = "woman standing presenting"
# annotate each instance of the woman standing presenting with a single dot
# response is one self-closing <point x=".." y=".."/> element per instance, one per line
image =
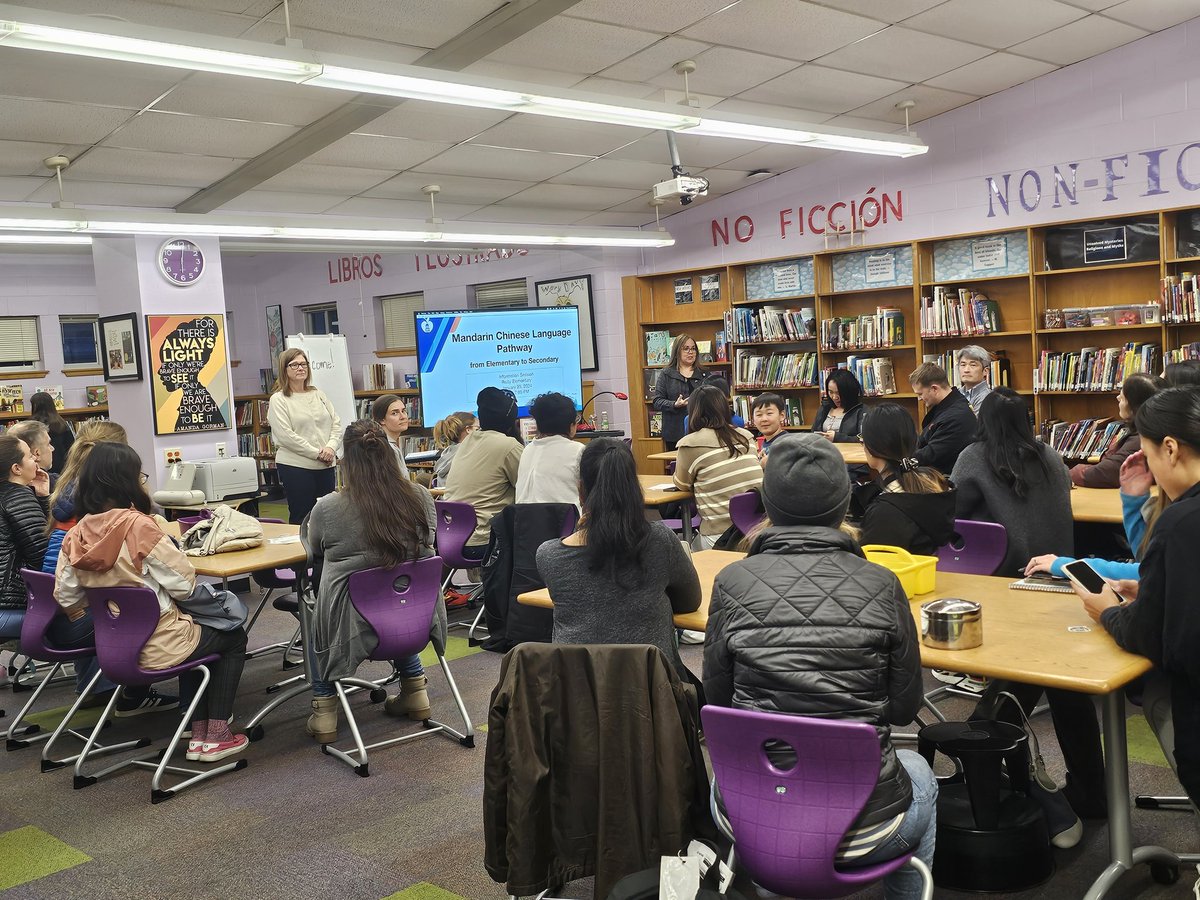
<point x="674" y="386"/>
<point x="307" y="434"/>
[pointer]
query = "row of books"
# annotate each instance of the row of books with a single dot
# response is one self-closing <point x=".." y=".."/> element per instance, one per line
<point x="250" y="444"/>
<point x="874" y="373"/>
<point x="1102" y="316"/>
<point x="958" y="312"/>
<point x="793" y="414"/>
<point x="871" y="332"/>
<point x="998" y="372"/>
<point x="760" y="370"/>
<point x="12" y="396"/>
<point x="244" y="413"/>
<point x="378" y="377"/>
<point x="1094" y="368"/>
<point x="1183" y="354"/>
<point x="1085" y="438"/>
<point x="766" y="324"/>
<point x="1181" y="298"/>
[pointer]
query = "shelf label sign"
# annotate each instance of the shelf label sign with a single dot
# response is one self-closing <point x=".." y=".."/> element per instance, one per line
<point x="787" y="279"/>
<point x="880" y="269"/>
<point x="1105" y="245"/>
<point x="989" y="254"/>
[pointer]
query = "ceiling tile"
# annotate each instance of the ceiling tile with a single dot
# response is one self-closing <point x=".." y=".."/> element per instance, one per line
<point x="725" y="71"/>
<point x="820" y="88"/>
<point x="367" y="151"/>
<point x="174" y="133"/>
<point x="437" y="122"/>
<point x="25" y="157"/>
<point x="99" y="193"/>
<point x="488" y="162"/>
<point x="521" y="216"/>
<point x="1079" y="40"/>
<point x="420" y="23"/>
<point x="455" y="188"/>
<point x="1154" y="15"/>
<point x="619" y="173"/>
<point x="996" y="25"/>
<point x="1094" y="5"/>
<point x="229" y="97"/>
<point x="740" y="106"/>
<point x="406" y="210"/>
<point x="55" y="122"/>
<point x="272" y="32"/>
<point x="865" y="124"/>
<point x="136" y="166"/>
<point x="559" y="135"/>
<point x="315" y="178"/>
<point x="903" y="54"/>
<point x="930" y="102"/>
<point x="622" y="89"/>
<point x="618" y="219"/>
<point x="776" y="158"/>
<point x="726" y="181"/>
<point x="641" y="204"/>
<point x="663" y="16"/>
<point x="570" y="196"/>
<point x="992" y="74"/>
<point x="14" y="188"/>
<point x="244" y="7"/>
<point x="656" y="59"/>
<point x="283" y="202"/>
<point x="792" y="29"/>
<point x="694" y="152"/>
<point x="490" y="68"/>
<point x="201" y="19"/>
<point x="77" y="79"/>
<point x="574" y="45"/>
<point x="884" y="10"/>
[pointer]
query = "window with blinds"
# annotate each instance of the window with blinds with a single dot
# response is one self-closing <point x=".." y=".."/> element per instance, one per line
<point x="399" y="330"/>
<point x="513" y="294"/>
<point x="19" y="345"/>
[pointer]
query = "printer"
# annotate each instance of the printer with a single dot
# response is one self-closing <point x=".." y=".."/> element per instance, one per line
<point x="226" y="479"/>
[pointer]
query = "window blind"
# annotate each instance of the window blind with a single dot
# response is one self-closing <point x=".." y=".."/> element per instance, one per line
<point x="19" y="342"/>
<point x="399" y="331"/>
<point x="511" y="294"/>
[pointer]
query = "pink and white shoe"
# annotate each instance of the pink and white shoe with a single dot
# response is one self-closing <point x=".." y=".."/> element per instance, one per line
<point x="193" y="750"/>
<point x="215" y="751"/>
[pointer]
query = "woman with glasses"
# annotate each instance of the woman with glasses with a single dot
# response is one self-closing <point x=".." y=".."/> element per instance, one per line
<point x="24" y="493"/>
<point x="307" y="434"/>
<point x="674" y="386"/>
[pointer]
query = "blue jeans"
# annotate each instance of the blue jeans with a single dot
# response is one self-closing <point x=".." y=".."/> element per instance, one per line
<point x="68" y="635"/>
<point x="918" y="830"/>
<point x="11" y="621"/>
<point x="407" y="666"/>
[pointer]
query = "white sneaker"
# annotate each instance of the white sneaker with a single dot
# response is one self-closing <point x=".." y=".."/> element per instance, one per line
<point x="687" y="636"/>
<point x="946" y="676"/>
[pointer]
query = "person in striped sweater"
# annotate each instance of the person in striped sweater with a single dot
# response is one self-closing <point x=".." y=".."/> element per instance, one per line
<point x="716" y="460"/>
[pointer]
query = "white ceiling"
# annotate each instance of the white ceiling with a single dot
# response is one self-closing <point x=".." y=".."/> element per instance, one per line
<point x="152" y="137"/>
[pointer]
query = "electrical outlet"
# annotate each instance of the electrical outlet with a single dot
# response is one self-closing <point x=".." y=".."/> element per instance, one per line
<point x="220" y="449"/>
<point x="173" y="456"/>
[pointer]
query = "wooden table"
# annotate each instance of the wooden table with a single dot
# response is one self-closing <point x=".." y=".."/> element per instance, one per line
<point x="243" y="562"/>
<point x="1098" y="504"/>
<point x="852" y="453"/>
<point x="666" y="455"/>
<point x="662" y="498"/>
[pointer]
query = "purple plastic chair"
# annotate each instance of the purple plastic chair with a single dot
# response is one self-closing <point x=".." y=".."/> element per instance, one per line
<point x="746" y="510"/>
<point x="455" y="525"/>
<point x="399" y="605"/>
<point x="786" y="825"/>
<point x="124" y="619"/>
<point x="40" y="610"/>
<point x="977" y="548"/>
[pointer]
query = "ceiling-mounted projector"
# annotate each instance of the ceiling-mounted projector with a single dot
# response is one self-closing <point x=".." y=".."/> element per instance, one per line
<point x="685" y="188"/>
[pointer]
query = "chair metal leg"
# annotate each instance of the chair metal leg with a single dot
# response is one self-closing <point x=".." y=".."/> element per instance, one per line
<point x="15" y="730"/>
<point x="49" y="763"/>
<point x="296" y="643"/>
<point x="926" y="877"/>
<point x="475" y="626"/>
<point x="81" y="780"/>
<point x="266" y="648"/>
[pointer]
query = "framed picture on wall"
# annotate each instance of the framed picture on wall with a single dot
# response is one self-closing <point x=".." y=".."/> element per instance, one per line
<point x="275" y="333"/>
<point x="190" y="373"/>
<point x="120" y="347"/>
<point x="575" y="291"/>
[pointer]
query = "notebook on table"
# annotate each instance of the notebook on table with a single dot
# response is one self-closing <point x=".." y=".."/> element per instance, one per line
<point x="1042" y="581"/>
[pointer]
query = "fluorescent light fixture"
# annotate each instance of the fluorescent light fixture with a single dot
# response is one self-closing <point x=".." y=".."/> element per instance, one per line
<point x="382" y="235"/>
<point x="648" y="239"/>
<point x="170" y="228"/>
<point x="40" y="224"/>
<point x="826" y="138"/>
<point x="45" y="239"/>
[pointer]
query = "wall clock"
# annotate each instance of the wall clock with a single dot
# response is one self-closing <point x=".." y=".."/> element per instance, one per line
<point x="180" y="261"/>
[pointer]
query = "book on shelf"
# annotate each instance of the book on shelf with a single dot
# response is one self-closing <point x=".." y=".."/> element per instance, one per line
<point x="793" y="413"/>
<point x="769" y="324"/>
<point x="655" y="424"/>
<point x="754" y="370"/>
<point x="96" y="394"/>
<point x="870" y="332"/>
<point x="243" y="414"/>
<point x="12" y="398"/>
<point x="378" y="377"/>
<point x="1085" y="438"/>
<point x="1182" y="354"/>
<point x="958" y="312"/>
<point x="1094" y="368"/>
<point x="721" y="346"/>
<point x="658" y="348"/>
<point x="999" y="370"/>
<point x="650" y="379"/>
<point x="1180" y="297"/>
<point x="55" y="391"/>
<point x="1103" y="316"/>
<point x="875" y="373"/>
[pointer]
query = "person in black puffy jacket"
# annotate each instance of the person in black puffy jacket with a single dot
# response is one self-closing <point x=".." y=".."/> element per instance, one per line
<point x="24" y="494"/>
<point x="806" y="625"/>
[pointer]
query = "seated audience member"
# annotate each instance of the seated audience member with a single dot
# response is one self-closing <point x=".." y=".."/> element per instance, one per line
<point x="805" y="625"/>
<point x="117" y="543"/>
<point x="392" y="415"/>
<point x="42" y="409"/>
<point x="768" y="411"/>
<point x="619" y="578"/>
<point x="549" y="469"/>
<point x="37" y="436"/>
<point x="974" y="368"/>
<point x="448" y="435"/>
<point x="1185" y="373"/>
<point x="840" y="417"/>
<point x="1135" y="390"/>
<point x="715" y="461"/>
<point x="914" y="506"/>
<point x="486" y="465"/>
<point x="948" y="426"/>
<point x="24" y="494"/>
<point x="723" y="386"/>
<point x="1156" y="616"/>
<point x="379" y="519"/>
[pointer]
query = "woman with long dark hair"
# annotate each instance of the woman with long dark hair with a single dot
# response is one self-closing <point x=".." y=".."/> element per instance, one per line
<point x="716" y="461"/>
<point x="117" y="543"/>
<point x="42" y="408"/>
<point x="307" y="432"/>
<point x="619" y="578"/>
<point x="913" y="505"/>
<point x="841" y="414"/>
<point x="1135" y="390"/>
<point x="674" y="386"/>
<point x="24" y="489"/>
<point x="380" y="519"/>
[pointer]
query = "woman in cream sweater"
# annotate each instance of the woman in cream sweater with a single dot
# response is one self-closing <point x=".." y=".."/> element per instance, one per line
<point x="307" y="434"/>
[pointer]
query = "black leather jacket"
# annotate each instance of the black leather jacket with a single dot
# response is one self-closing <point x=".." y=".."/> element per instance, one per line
<point x="669" y="386"/>
<point x="23" y="540"/>
<point x="805" y="625"/>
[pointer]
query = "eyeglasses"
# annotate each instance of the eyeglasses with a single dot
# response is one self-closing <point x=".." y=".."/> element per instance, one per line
<point x="144" y="478"/>
<point x="297" y="365"/>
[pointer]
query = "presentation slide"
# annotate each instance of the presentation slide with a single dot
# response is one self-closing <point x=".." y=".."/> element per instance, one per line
<point x="527" y="351"/>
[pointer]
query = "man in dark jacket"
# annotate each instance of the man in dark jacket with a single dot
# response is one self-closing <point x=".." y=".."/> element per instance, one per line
<point x="949" y="425"/>
<point x="805" y="625"/>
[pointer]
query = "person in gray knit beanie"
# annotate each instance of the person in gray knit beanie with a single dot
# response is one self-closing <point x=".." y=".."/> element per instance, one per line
<point x="805" y="482"/>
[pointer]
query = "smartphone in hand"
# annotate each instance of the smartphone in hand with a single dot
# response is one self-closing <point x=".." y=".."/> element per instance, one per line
<point x="1085" y="576"/>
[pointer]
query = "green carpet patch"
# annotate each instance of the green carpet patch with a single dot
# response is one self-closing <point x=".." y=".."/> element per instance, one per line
<point x="29" y="853"/>
<point x="424" y="891"/>
<point x="456" y="648"/>
<point x="1143" y="745"/>
<point x="48" y="719"/>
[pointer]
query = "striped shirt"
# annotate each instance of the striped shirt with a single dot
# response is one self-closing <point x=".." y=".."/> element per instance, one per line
<point x="705" y="467"/>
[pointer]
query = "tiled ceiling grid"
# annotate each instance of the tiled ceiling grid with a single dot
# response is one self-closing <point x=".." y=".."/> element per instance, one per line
<point x="146" y="136"/>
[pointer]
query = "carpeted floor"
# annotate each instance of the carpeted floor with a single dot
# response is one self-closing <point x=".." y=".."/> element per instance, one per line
<point x="297" y="824"/>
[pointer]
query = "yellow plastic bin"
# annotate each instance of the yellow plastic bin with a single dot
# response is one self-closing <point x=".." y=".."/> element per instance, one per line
<point x="917" y="574"/>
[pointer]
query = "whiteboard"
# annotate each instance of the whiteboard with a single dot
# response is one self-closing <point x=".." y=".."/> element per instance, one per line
<point x="329" y="361"/>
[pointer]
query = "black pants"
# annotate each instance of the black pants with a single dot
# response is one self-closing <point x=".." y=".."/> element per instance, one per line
<point x="226" y="672"/>
<point x="303" y="487"/>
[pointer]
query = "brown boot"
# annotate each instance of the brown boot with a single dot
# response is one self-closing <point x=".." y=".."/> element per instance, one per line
<point x="412" y="701"/>
<point x="323" y="723"/>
